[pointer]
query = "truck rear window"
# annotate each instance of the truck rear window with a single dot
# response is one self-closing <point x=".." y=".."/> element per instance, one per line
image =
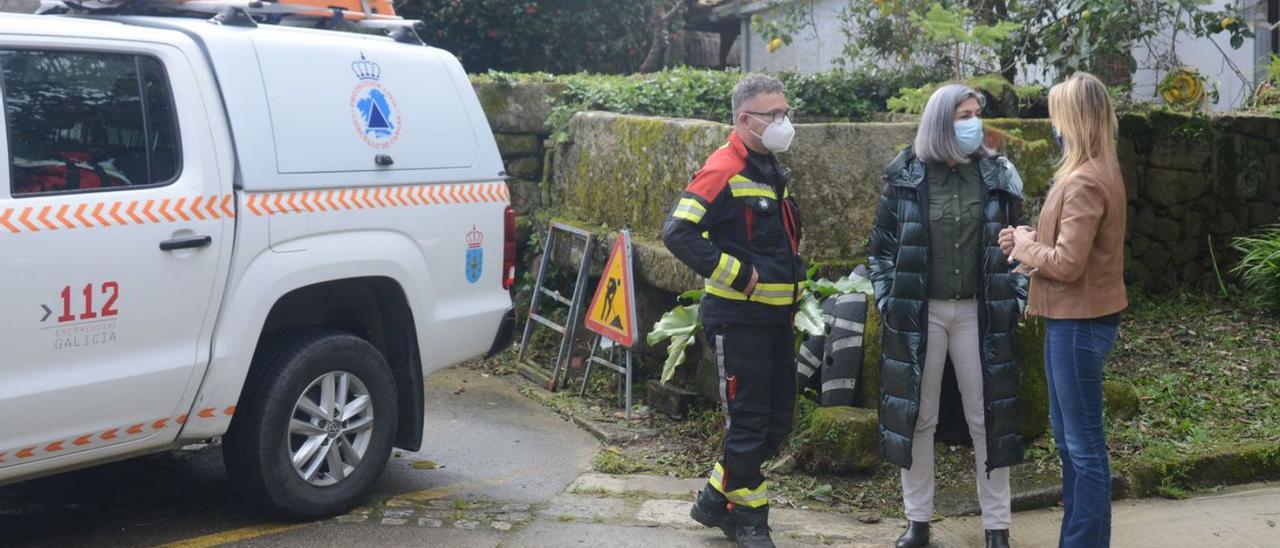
<point x="87" y="121"/>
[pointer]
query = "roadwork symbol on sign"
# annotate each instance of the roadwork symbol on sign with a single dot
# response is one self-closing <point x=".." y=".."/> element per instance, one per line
<point x="612" y="313"/>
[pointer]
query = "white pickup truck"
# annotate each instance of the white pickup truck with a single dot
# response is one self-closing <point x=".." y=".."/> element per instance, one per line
<point x="225" y="229"/>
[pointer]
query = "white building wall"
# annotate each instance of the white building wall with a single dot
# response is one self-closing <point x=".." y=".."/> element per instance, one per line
<point x="1204" y="55"/>
<point x="813" y="49"/>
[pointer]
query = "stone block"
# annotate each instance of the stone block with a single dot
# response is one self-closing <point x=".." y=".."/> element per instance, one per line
<point x="525" y="168"/>
<point x="1162" y="229"/>
<point x="670" y="400"/>
<point x="1167" y="187"/>
<point x="1119" y="400"/>
<point x="1262" y="214"/>
<point x="518" y="108"/>
<point x="838" y="440"/>
<point x="1157" y="258"/>
<point x="518" y="145"/>
<point x="1223" y="224"/>
<point x="1174" y="153"/>
<point x="1192" y="225"/>
<point x="1185" y="251"/>
<point x="1138" y="244"/>
<point x="526" y="196"/>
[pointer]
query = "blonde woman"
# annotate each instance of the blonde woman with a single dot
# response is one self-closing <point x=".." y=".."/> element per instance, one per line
<point x="1076" y="262"/>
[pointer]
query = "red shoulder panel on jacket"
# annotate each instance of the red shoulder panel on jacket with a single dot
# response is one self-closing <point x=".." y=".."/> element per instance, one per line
<point x="723" y="164"/>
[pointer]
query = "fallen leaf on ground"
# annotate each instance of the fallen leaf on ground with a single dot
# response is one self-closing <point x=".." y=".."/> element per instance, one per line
<point x="424" y="465"/>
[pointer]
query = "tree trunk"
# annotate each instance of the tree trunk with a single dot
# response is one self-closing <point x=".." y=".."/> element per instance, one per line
<point x="653" y="61"/>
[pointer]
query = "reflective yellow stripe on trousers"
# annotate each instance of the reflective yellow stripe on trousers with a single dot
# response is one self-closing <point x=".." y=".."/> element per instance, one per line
<point x="776" y="294"/>
<point x="751" y="498"/>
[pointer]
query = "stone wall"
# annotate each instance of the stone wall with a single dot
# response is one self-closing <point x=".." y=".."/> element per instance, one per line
<point x="518" y="117"/>
<point x="1189" y="179"/>
<point x="1193" y="183"/>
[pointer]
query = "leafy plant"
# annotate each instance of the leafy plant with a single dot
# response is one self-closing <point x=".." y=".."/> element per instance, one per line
<point x="1260" y="264"/>
<point x="681" y="326"/>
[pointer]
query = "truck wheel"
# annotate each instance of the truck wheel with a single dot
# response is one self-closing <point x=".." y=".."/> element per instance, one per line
<point x="315" y="429"/>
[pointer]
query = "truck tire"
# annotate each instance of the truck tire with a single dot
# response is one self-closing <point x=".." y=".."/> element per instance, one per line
<point x="314" y="428"/>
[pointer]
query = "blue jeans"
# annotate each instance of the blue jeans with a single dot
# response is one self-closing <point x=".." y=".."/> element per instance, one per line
<point x="1073" y="355"/>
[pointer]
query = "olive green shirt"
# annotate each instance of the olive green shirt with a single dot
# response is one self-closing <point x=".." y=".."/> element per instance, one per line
<point x="955" y="230"/>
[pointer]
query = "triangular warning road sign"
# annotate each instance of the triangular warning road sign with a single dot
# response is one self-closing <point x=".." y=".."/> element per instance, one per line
<point x="612" y="313"/>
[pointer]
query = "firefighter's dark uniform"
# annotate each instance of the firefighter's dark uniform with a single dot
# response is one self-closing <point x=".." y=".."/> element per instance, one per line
<point x="737" y="214"/>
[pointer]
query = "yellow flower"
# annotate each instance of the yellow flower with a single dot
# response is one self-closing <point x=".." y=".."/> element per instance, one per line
<point x="1184" y="89"/>
<point x="1086" y="14"/>
<point x="1228" y="21"/>
<point x="774" y="45"/>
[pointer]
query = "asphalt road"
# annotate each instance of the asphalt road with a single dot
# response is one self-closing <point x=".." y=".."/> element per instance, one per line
<point x="492" y="449"/>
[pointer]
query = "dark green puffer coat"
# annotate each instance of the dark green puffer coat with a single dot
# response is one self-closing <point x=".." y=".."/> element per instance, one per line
<point x="899" y="264"/>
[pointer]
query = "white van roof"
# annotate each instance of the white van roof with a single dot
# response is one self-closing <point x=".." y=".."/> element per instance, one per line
<point x="317" y="109"/>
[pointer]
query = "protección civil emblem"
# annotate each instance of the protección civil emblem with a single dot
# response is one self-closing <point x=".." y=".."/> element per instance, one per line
<point x="374" y="111"/>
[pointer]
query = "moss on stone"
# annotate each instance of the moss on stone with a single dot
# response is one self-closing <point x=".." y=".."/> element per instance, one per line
<point x="869" y="386"/>
<point x="1149" y="474"/>
<point x="1119" y="400"/>
<point x="493" y="98"/>
<point x="838" y="440"/>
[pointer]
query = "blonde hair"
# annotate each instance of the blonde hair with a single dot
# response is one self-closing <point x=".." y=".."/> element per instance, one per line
<point x="1081" y="109"/>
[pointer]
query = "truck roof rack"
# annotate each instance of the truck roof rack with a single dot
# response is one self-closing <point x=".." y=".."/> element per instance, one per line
<point x="323" y="14"/>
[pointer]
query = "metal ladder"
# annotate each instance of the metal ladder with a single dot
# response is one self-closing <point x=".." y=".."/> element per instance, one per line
<point x="557" y="375"/>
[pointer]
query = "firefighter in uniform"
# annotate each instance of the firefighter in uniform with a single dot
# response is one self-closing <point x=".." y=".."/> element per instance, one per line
<point x="737" y="226"/>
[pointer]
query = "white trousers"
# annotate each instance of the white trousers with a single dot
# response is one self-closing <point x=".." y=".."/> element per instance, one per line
<point x="953" y="328"/>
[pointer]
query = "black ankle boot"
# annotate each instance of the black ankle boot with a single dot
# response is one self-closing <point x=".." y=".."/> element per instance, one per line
<point x="916" y="535"/>
<point x="997" y="538"/>
<point x="751" y="527"/>
<point x="712" y="510"/>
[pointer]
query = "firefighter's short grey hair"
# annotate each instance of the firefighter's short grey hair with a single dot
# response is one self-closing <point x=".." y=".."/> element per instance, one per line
<point x="752" y="85"/>
<point x="936" y="139"/>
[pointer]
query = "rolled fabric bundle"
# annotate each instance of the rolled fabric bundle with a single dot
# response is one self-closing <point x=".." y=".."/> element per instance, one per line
<point x="809" y="363"/>
<point x="846" y="317"/>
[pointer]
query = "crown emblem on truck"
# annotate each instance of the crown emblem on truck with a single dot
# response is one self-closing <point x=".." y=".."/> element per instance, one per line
<point x="366" y="69"/>
<point x="475" y="238"/>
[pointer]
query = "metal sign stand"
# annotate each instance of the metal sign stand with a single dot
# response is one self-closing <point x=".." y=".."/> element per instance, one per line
<point x="551" y="377"/>
<point x="615" y="326"/>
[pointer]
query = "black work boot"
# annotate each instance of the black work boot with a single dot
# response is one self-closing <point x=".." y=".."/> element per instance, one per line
<point x="916" y="535"/>
<point x="751" y="527"/>
<point x="997" y="538"/>
<point x="712" y="510"/>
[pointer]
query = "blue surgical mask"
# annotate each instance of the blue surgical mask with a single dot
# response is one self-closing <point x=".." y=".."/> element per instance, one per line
<point x="1057" y="138"/>
<point x="969" y="133"/>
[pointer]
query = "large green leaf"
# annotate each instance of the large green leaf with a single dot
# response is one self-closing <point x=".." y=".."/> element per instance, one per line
<point x="681" y="325"/>
<point x="809" y="317"/>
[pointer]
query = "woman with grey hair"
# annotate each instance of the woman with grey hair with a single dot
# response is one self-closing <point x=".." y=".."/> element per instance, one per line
<point x="944" y="288"/>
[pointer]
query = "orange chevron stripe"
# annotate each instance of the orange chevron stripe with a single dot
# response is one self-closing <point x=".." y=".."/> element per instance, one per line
<point x="326" y="202"/>
<point x="487" y="192"/>
<point x="427" y="195"/>
<point x="135" y="429"/>
<point x="293" y="207"/>
<point x="195" y="208"/>
<point x="415" y="195"/>
<point x="182" y="419"/>
<point x="83" y="440"/>
<point x="4" y="221"/>
<point x="146" y="211"/>
<point x="365" y="202"/>
<point x="115" y="214"/>
<point x="252" y="204"/>
<point x="55" y="446"/>
<point x="80" y="216"/>
<point x="206" y="413"/>
<point x="164" y="210"/>
<point x="227" y="210"/>
<point x="308" y="198"/>
<point x="43" y="217"/>
<point x="129" y="211"/>
<point x="109" y="434"/>
<point x="97" y="214"/>
<point x="177" y="208"/>
<point x="391" y="196"/>
<point x="211" y="208"/>
<point x="160" y="424"/>
<point x="377" y="197"/>
<point x="229" y="411"/>
<point x="26" y="453"/>
<point x="26" y="212"/>
<point x="280" y="204"/>
<point x="61" y="215"/>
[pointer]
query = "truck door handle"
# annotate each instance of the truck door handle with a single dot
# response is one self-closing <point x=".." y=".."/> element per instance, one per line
<point x="186" y="243"/>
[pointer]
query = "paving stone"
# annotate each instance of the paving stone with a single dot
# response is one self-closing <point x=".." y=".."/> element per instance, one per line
<point x="466" y="525"/>
<point x="397" y="513"/>
<point x="394" y="521"/>
<point x="501" y="525"/>
<point x="584" y="507"/>
<point x="657" y="485"/>
<point x="516" y="507"/>
<point x="430" y="522"/>
<point x="353" y="518"/>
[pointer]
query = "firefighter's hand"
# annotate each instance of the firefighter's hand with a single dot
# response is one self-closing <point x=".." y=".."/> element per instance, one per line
<point x="751" y="285"/>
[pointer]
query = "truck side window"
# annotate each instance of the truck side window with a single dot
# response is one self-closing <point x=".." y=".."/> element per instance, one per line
<point x="83" y="122"/>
